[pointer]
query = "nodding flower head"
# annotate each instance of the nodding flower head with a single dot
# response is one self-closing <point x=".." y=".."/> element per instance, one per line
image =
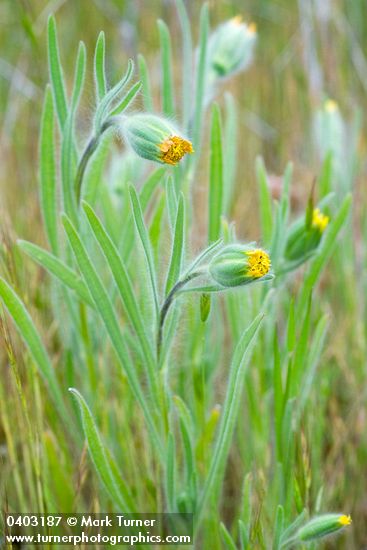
<point x="304" y="236"/>
<point x="155" y="138"/>
<point x="322" y="526"/>
<point x="230" y="48"/>
<point x="237" y="265"/>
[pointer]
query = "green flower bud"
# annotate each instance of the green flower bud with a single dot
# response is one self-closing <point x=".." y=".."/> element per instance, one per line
<point x="230" y="48"/>
<point x="322" y="526"/>
<point x="303" y="238"/>
<point x="238" y="264"/>
<point x="155" y="138"/>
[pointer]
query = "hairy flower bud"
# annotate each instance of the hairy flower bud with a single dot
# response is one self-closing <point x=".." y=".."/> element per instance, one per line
<point x="230" y="48"/>
<point x="322" y="526"/>
<point x="238" y="264"/>
<point x="155" y="138"/>
<point x="303" y="237"/>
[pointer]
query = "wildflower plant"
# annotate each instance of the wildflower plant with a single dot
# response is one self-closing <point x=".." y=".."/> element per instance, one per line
<point x="152" y="329"/>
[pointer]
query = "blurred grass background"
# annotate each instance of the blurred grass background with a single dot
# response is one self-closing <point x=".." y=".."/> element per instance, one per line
<point x="307" y="51"/>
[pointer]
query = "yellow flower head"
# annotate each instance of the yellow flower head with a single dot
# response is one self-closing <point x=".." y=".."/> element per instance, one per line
<point x="240" y="264"/>
<point x="258" y="263"/>
<point x="345" y="520"/>
<point x="319" y="220"/>
<point x="237" y="20"/>
<point x="174" y="148"/>
<point x="252" y="28"/>
<point x="331" y="106"/>
<point x="155" y="138"/>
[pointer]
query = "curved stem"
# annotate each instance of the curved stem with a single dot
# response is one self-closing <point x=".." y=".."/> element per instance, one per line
<point x="167" y="304"/>
<point x="86" y="156"/>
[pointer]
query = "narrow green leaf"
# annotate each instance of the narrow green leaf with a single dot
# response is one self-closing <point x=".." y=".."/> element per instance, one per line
<point x="293" y="527"/>
<point x="28" y="332"/>
<point x="278" y="398"/>
<point x="126" y="291"/>
<point x="99" y="67"/>
<point x="187" y="62"/>
<point x="184" y="413"/>
<point x="266" y="209"/>
<point x="309" y="211"/>
<point x="278" y="529"/>
<point x="102" y="111"/>
<point x="144" y="237"/>
<point x="205" y="301"/>
<point x="47" y="171"/>
<point x="146" y="88"/>
<point x="109" y="318"/>
<point x="227" y="538"/>
<point x="325" y="180"/>
<point x="204" y="254"/>
<point x="291" y="328"/>
<point x="215" y="176"/>
<point x="155" y="227"/>
<point x="58" y="269"/>
<point x="127" y="99"/>
<point x="240" y="362"/>
<point x="168" y="105"/>
<point x="177" y="247"/>
<point x="68" y="168"/>
<point x="313" y="356"/>
<point x="244" y="536"/>
<point x="230" y="151"/>
<point x="68" y="165"/>
<point x="246" y="504"/>
<point x="99" y="454"/>
<point x="171" y="197"/>
<point x="146" y="193"/>
<point x="56" y="75"/>
<point x="201" y="76"/>
<point x="301" y="351"/>
<point x="79" y="76"/>
<point x="170" y="474"/>
<point x="188" y="447"/>
<point x="150" y="186"/>
<point x="93" y="176"/>
<point x="280" y="221"/>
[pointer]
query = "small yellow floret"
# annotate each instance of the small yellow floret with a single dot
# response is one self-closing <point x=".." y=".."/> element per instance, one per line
<point x="345" y="520"/>
<point x="237" y="20"/>
<point x="331" y="106"/>
<point x="258" y="263"/>
<point x="174" y="148"/>
<point x="319" y="220"/>
<point x="215" y="412"/>
<point x="252" y="28"/>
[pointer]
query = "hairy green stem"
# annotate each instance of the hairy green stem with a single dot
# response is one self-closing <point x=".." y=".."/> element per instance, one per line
<point x="86" y="156"/>
<point x="167" y="304"/>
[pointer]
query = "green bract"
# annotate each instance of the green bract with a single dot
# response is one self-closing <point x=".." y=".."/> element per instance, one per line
<point x="237" y="265"/>
<point x="305" y="235"/>
<point x="155" y="138"/>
